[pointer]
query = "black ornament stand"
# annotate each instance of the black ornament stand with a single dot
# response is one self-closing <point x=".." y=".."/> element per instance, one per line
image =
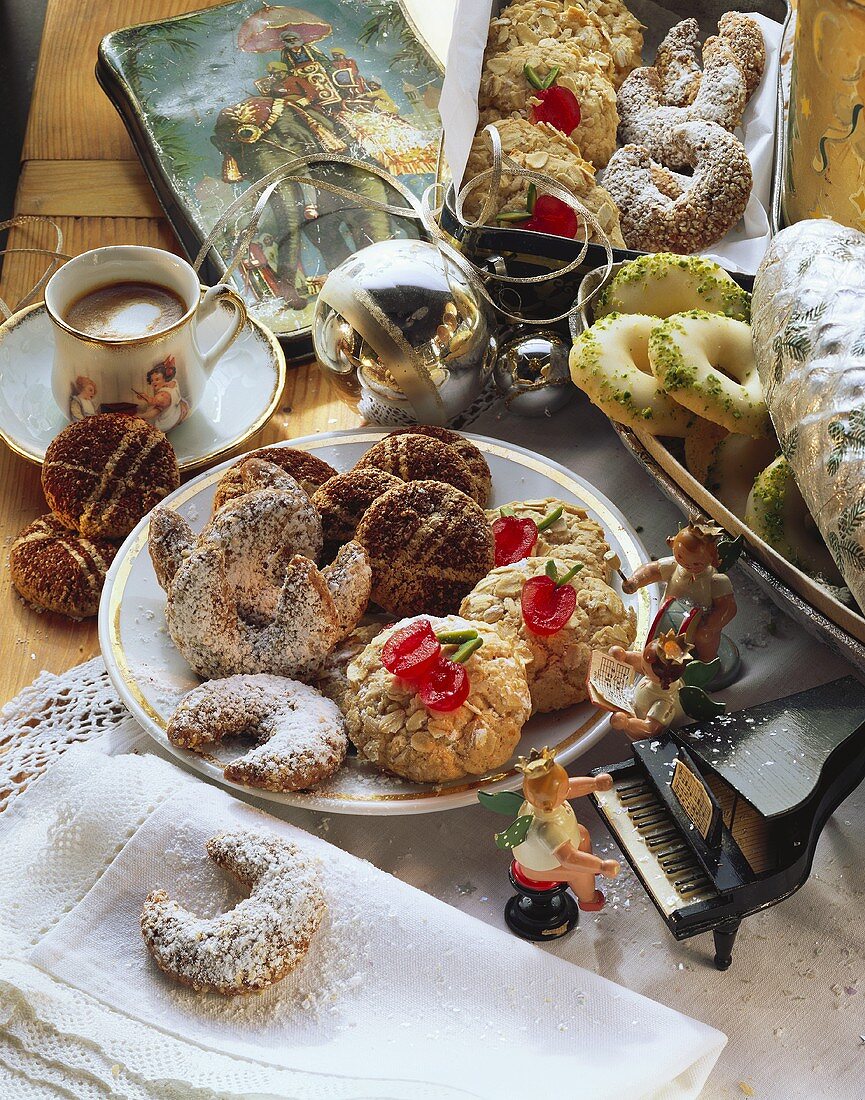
<point x="540" y="914"/>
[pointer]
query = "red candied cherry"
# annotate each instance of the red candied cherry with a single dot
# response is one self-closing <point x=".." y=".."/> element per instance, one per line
<point x="548" y="601"/>
<point x="515" y="538"/>
<point x="446" y="685"/>
<point x="411" y="651"/>
<point x="551" y="215"/>
<point x="559" y="107"/>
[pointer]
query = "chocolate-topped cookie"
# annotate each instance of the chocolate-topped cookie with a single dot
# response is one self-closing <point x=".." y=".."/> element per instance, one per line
<point x="342" y="500"/>
<point x="308" y="471"/>
<point x="103" y="473"/>
<point x="468" y="452"/>
<point x="55" y="568"/>
<point x="419" y="458"/>
<point x="428" y="545"/>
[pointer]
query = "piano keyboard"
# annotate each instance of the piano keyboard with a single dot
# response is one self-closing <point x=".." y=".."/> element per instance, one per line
<point x="645" y="829"/>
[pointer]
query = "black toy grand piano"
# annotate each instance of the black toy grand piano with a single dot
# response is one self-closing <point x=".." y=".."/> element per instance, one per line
<point x="721" y="819"/>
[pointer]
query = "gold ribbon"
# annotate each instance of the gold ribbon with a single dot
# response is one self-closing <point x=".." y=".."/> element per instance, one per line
<point x="57" y="257"/>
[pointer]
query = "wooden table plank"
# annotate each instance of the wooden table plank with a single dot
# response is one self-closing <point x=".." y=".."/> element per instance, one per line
<point x="86" y="188"/>
<point x="70" y="116"/>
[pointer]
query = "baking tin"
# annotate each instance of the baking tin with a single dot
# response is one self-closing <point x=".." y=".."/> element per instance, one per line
<point x="170" y="80"/>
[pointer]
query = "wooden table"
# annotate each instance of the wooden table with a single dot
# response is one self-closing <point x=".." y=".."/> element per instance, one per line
<point x="79" y="168"/>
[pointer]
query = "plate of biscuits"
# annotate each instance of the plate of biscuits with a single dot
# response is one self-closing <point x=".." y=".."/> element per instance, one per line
<point x="370" y="622"/>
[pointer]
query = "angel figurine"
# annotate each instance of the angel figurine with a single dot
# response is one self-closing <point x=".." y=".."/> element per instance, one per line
<point x="698" y="597"/>
<point x="551" y="850"/>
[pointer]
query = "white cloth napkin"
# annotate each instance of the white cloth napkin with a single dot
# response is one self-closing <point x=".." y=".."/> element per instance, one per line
<point x="400" y="995"/>
<point x="743" y="247"/>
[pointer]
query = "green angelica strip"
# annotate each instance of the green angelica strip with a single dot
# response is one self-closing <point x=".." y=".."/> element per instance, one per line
<point x="466" y="650"/>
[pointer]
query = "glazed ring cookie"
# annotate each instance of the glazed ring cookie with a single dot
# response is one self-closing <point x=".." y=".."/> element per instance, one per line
<point x="259" y="941"/>
<point x="469" y="452"/>
<point x="299" y="735"/>
<point x="662" y="283"/>
<point x="706" y="362"/>
<point x="308" y="470"/>
<point x="103" y="473"/>
<point x="660" y="210"/>
<point x="610" y="363"/>
<point x="55" y="568"/>
<point x="778" y="514"/>
<point x="573" y="537"/>
<point x="419" y="458"/>
<point x="242" y="596"/>
<point x="428" y="545"/>
<point x="342" y="501"/>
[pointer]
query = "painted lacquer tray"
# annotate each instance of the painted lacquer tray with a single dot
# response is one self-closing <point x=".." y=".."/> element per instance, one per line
<point x="215" y="99"/>
<point x="151" y="676"/>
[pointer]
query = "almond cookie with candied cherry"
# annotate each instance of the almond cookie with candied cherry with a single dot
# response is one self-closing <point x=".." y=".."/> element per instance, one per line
<point x="559" y="627"/>
<point x="455" y="706"/>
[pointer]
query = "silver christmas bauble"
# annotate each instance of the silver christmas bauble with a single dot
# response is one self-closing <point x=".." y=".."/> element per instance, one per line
<point x="532" y="373"/>
<point x="404" y="334"/>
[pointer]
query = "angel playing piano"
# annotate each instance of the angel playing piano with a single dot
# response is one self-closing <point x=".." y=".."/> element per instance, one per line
<point x="693" y="576"/>
<point x="551" y="849"/>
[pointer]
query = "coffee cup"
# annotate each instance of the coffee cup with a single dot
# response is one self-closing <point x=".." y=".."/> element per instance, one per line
<point x="126" y="337"/>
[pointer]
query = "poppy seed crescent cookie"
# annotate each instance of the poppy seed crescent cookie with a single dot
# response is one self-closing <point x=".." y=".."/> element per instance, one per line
<point x="55" y="568"/>
<point x="468" y="452"/>
<point x="299" y="735"/>
<point x="260" y="940"/>
<point x="307" y="469"/>
<point x="419" y="458"/>
<point x="428" y="545"/>
<point x="102" y="474"/>
<point x="342" y="501"/>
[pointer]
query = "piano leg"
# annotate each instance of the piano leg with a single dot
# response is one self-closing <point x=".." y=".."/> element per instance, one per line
<point x="725" y="935"/>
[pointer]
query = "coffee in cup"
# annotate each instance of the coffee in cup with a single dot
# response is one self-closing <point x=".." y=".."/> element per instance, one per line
<point x="122" y="311"/>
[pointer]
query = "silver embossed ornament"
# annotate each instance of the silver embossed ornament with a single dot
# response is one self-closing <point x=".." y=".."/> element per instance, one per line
<point x="404" y="334"/>
<point x="532" y="374"/>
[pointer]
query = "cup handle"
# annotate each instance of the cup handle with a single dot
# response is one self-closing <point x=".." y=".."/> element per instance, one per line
<point x="212" y="297"/>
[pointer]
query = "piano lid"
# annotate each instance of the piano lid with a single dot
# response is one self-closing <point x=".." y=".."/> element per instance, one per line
<point x="774" y="754"/>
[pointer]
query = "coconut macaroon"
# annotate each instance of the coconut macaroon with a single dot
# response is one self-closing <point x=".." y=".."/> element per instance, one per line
<point x="572" y="538"/>
<point x="391" y="727"/>
<point x="541" y="148"/>
<point x="559" y="662"/>
<point x="505" y="91"/>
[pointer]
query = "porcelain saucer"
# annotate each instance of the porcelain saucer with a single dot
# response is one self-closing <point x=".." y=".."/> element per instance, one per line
<point x="241" y="396"/>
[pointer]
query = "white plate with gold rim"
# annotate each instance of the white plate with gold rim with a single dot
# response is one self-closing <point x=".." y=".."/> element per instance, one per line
<point x="151" y="676"/>
<point x="242" y="393"/>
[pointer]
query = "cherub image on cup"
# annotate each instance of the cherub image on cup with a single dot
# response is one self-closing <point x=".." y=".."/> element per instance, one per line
<point x="83" y="400"/>
<point x="164" y="407"/>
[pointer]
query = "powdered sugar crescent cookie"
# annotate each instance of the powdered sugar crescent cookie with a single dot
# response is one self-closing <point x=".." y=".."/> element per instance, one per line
<point x="542" y="148"/>
<point x="308" y="470"/>
<point x="468" y="452"/>
<point x="505" y="91"/>
<point x="243" y="597"/>
<point x="55" y="568"/>
<point x="428" y="544"/>
<point x="574" y="537"/>
<point x="392" y="728"/>
<point x="258" y="942"/>
<point x="103" y="473"/>
<point x="414" y="457"/>
<point x="560" y="662"/>
<point x="299" y="735"/>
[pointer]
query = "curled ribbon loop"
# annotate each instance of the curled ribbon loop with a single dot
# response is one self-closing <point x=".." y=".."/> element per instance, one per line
<point x="426" y="210"/>
<point x="56" y="254"/>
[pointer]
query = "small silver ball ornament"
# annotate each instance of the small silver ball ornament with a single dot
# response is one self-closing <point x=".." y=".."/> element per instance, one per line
<point x="532" y="373"/>
<point x="404" y="334"/>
